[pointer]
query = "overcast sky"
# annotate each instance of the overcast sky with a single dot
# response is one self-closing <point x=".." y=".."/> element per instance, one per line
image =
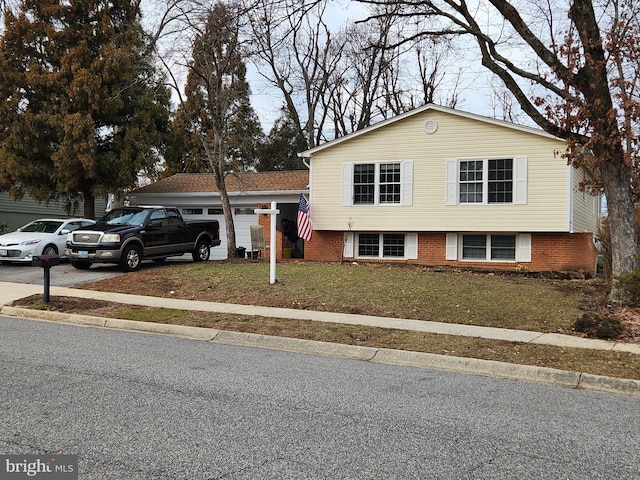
<point x="474" y="90"/>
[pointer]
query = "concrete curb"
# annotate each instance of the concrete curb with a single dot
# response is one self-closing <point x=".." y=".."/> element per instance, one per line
<point x="296" y="345"/>
<point x="471" y="366"/>
<point x="475" y="366"/>
<point x="195" y="333"/>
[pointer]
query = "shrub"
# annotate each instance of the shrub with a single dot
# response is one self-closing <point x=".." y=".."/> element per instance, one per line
<point x="629" y="287"/>
<point x="599" y="326"/>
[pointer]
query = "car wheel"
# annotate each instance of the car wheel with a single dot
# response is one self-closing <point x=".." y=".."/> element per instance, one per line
<point x="50" y="250"/>
<point x="131" y="258"/>
<point x="202" y="251"/>
<point x="80" y="264"/>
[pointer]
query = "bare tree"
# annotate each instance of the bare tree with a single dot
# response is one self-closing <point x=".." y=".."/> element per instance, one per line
<point x="427" y="64"/>
<point x="569" y="56"/>
<point x="358" y="86"/>
<point x="504" y="105"/>
<point x="342" y="77"/>
<point x="296" y="51"/>
<point x="171" y="26"/>
<point x="435" y="60"/>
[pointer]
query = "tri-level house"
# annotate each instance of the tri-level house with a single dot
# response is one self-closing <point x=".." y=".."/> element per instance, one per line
<point x="437" y="186"/>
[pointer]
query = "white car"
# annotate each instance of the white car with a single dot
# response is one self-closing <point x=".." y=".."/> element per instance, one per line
<point x="46" y="236"/>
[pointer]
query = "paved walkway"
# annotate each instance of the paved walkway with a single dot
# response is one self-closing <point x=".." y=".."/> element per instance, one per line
<point x="13" y="291"/>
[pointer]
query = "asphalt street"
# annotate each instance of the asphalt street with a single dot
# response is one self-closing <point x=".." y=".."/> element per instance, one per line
<point x="143" y="406"/>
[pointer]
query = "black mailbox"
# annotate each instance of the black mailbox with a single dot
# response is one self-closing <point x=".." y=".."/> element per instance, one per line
<point x="45" y="261"/>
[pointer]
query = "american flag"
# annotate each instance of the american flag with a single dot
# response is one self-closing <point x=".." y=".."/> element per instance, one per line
<point x="304" y="220"/>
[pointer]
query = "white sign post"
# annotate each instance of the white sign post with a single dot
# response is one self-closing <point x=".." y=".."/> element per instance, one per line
<point x="273" y="211"/>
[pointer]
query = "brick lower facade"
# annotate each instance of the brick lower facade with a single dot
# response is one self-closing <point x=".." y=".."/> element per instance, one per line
<point x="549" y="252"/>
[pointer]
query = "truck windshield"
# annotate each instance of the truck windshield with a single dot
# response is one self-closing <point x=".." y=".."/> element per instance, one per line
<point x="126" y="217"/>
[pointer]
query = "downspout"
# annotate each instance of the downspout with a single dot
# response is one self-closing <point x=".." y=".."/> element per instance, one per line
<point x="570" y="199"/>
<point x="308" y="165"/>
<point x="304" y="161"/>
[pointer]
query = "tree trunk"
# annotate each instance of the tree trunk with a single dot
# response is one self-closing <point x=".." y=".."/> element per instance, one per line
<point x="89" y="206"/>
<point x="621" y="214"/>
<point x="228" y="215"/>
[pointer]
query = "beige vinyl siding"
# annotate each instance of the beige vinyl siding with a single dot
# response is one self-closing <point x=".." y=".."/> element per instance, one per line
<point x="586" y="207"/>
<point x="457" y="137"/>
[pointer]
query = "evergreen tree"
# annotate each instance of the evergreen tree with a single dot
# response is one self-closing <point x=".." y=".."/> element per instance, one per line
<point x="84" y="111"/>
<point x="184" y="152"/>
<point x="245" y="137"/>
<point x="282" y="145"/>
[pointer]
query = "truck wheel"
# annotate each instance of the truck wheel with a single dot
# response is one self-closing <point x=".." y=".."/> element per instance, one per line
<point x="130" y="259"/>
<point x="202" y="251"/>
<point x="80" y="264"/>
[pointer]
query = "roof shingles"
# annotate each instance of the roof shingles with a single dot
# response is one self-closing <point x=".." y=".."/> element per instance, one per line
<point x="235" y="182"/>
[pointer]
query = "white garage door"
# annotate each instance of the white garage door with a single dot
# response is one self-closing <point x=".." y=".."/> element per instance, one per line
<point x="219" y="252"/>
<point x="243" y="218"/>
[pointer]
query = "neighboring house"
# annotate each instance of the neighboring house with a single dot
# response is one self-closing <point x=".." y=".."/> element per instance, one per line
<point x="436" y="186"/>
<point x="18" y="213"/>
<point x="197" y="197"/>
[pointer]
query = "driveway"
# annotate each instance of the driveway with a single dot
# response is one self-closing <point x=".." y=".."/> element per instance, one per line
<point x="64" y="275"/>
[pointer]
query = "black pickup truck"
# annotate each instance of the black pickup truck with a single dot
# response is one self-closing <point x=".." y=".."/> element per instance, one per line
<point x="127" y="235"/>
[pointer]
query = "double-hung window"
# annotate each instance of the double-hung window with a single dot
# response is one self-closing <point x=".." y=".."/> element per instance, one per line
<point x="494" y="247"/>
<point x="500" y="180"/>
<point x="489" y="247"/>
<point x="391" y="245"/>
<point x="389" y="183"/>
<point x="381" y="245"/>
<point x="487" y="181"/>
<point x="364" y="183"/>
<point x="381" y="183"/>
<point x="471" y="181"/>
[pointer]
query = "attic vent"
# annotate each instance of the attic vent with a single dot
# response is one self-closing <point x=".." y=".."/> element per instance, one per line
<point x="431" y="126"/>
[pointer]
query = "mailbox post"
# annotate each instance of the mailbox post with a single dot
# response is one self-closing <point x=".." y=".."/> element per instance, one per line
<point x="46" y="262"/>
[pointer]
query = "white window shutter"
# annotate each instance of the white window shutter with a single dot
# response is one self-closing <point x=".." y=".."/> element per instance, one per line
<point x="347" y="184"/>
<point x="452" y="182"/>
<point x="412" y="246"/>
<point x="348" y="245"/>
<point x="524" y="248"/>
<point x="406" y="177"/>
<point x="452" y="246"/>
<point x="520" y="180"/>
